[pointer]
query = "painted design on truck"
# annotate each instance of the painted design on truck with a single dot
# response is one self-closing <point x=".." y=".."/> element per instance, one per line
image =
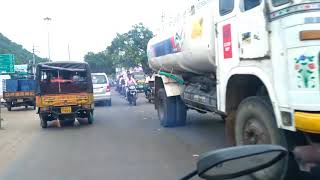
<point x="306" y="67"/>
<point x="300" y="8"/>
<point x="197" y="28"/>
<point x="246" y="37"/>
<point x="169" y="46"/>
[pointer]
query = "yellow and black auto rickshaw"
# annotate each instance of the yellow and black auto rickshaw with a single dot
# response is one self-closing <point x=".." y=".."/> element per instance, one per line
<point x="64" y="91"/>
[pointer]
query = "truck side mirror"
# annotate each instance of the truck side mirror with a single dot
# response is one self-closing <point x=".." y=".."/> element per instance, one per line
<point x="238" y="161"/>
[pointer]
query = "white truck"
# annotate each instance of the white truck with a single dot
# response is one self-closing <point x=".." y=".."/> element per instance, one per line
<point x="254" y="62"/>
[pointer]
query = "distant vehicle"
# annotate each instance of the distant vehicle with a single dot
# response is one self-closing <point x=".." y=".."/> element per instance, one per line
<point x="132" y="95"/>
<point x="149" y="91"/>
<point x="111" y="82"/>
<point x="19" y="92"/>
<point x="64" y="91"/>
<point x="101" y="88"/>
<point x="2" y="81"/>
<point x="140" y="79"/>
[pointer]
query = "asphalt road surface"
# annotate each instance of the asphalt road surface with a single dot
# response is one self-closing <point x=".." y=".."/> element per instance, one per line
<point x="124" y="142"/>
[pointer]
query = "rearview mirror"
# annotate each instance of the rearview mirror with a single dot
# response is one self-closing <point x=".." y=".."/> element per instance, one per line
<point x="238" y="161"/>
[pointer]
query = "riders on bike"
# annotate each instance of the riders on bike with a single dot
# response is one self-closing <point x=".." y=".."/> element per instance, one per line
<point x="129" y="81"/>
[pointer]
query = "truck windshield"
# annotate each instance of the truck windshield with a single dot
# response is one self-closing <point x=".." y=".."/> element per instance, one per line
<point x="279" y="2"/>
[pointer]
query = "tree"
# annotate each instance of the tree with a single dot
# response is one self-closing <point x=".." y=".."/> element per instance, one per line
<point x="21" y="55"/>
<point x="130" y="49"/>
<point x="100" y="62"/>
<point x="127" y="50"/>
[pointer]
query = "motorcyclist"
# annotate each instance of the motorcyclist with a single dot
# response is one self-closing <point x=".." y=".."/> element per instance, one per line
<point x="121" y="84"/>
<point x="129" y="81"/>
<point x="149" y="78"/>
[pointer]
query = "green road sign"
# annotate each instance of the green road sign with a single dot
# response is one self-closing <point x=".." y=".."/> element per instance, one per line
<point x="6" y="63"/>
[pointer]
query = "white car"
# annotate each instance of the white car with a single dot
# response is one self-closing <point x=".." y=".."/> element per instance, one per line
<point x="101" y="88"/>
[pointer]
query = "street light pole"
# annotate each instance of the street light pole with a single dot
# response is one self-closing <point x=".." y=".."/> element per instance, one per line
<point x="69" y="51"/>
<point x="48" y="19"/>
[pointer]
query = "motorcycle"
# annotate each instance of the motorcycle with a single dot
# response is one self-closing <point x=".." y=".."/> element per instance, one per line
<point x="149" y="91"/>
<point x="118" y="86"/>
<point x="132" y="95"/>
<point x="237" y="161"/>
<point x="123" y="90"/>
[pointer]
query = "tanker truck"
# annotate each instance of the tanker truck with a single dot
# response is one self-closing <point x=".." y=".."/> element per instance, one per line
<point x="253" y="62"/>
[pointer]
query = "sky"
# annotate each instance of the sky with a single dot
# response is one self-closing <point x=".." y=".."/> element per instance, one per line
<point x="86" y="25"/>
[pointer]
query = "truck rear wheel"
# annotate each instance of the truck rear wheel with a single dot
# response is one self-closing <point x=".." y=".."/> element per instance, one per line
<point x="255" y="123"/>
<point x="8" y="105"/>
<point x="171" y="110"/>
<point x="43" y="121"/>
<point x="90" y="118"/>
<point x="181" y="112"/>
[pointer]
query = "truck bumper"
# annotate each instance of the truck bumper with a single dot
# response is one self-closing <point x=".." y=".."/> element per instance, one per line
<point x="308" y="156"/>
<point x="76" y="112"/>
<point x="102" y="97"/>
<point x="307" y="122"/>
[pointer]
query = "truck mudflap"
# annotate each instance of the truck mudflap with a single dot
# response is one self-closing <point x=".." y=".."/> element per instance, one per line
<point x="307" y="122"/>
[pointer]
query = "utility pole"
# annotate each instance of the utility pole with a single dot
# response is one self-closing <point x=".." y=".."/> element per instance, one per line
<point x="33" y="66"/>
<point x="69" y="52"/>
<point x="48" y="19"/>
<point x="162" y="20"/>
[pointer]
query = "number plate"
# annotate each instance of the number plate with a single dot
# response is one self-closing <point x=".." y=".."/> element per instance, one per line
<point x="20" y="100"/>
<point x="65" y="110"/>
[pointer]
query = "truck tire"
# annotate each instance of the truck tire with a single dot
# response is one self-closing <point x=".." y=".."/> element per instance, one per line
<point x="181" y="112"/>
<point x="90" y="118"/>
<point x="167" y="109"/>
<point x="255" y="123"/>
<point x="43" y="121"/>
<point x="9" y="106"/>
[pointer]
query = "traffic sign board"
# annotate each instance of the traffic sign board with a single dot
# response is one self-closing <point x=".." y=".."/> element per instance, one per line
<point x="6" y="63"/>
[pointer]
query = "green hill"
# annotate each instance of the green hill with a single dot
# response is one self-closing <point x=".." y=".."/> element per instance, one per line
<point x="21" y="55"/>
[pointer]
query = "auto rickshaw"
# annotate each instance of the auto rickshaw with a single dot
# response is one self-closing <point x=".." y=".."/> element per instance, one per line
<point x="140" y="79"/>
<point x="64" y="91"/>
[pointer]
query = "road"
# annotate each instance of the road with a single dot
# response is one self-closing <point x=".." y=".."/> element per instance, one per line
<point x="125" y="142"/>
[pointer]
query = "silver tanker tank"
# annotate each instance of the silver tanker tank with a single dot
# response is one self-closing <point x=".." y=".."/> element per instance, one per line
<point x="189" y="45"/>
